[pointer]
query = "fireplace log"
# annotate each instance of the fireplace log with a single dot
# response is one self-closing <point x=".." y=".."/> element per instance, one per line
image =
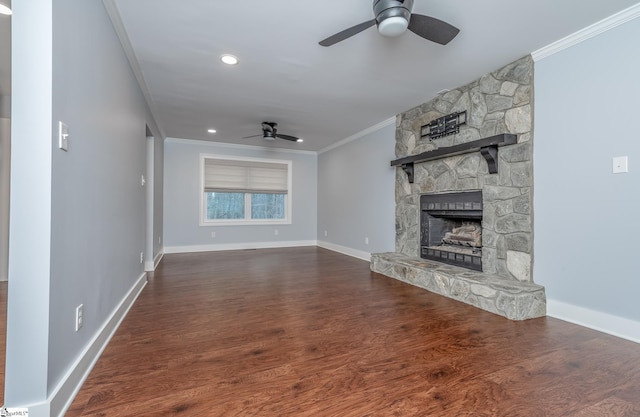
<point x="465" y="235"/>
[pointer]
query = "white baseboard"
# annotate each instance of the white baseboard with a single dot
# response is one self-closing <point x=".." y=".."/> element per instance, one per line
<point x="269" y="245"/>
<point x="65" y="392"/>
<point x="365" y="256"/>
<point x="596" y="320"/>
<point x="152" y="265"/>
<point x="238" y="246"/>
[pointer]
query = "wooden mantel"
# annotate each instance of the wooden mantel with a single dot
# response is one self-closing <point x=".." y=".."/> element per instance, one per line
<point x="488" y="147"/>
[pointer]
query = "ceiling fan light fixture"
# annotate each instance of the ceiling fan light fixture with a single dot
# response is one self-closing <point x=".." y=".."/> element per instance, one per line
<point x="229" y="59"/>
<point x="393" y="18"/>
<point x="299" y="140"/>
<point x="393" y="26"/>
<point x="5" y="10"/>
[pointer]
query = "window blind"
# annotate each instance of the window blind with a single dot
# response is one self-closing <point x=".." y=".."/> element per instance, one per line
<point x="229" y="176"/>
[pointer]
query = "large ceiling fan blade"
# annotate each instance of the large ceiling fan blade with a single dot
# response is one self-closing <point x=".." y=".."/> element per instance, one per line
<point x="252" y="136"/>
<point x="347" y="33"/>
<point x="286" y="137"/>
<point x="432" y="29"/>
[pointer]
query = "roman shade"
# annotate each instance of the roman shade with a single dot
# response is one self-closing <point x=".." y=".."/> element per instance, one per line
<point x="231" y="176"/>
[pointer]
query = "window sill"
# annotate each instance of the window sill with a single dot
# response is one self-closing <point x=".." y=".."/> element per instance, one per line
<point x="244" y="222"/>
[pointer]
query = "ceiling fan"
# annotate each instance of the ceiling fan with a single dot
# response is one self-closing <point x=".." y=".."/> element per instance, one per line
<point x="270" y="132"/>
<point x="393" y="18"/>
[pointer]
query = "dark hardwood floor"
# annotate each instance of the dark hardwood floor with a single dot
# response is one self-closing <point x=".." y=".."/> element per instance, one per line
<point x="3" y="335"/>
<point x="309" y="332"/>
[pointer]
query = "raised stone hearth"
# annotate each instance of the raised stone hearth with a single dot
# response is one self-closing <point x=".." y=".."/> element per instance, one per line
<point x="511" y="299"/>
<point x="498" y="105"/>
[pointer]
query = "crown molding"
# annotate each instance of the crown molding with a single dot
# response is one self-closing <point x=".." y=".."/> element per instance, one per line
<point x="582" y="35"/>
<point x="121" y="31"/>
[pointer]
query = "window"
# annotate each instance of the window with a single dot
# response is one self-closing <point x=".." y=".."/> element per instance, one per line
<point x="244" y="191"/>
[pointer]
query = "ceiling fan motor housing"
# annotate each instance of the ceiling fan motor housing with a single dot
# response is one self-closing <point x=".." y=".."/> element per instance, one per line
<point x="269" y="130"/>
<point x="392" y="16"/>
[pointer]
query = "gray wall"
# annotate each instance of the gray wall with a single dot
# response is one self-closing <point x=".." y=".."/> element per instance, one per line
<point x="356" y="194"/>
<point x="182" y="230"/>
<point x="5" y="145"/>
<point x="587" y="100"/>
<point x="5" y="173"/>
<point x="78" y="217"/>
<point x="158" y="195"/>
<point x="5" y="107"/>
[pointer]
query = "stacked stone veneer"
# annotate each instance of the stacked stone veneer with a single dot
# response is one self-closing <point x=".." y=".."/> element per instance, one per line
<point x="499" y="102"/>
<point x="512" y="299"/>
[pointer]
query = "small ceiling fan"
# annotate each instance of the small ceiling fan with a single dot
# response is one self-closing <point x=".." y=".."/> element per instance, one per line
<point x="393" y="18"/>
<point x="270" y="132"/>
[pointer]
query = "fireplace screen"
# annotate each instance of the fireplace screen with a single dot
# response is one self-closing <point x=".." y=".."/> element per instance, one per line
<point x="451" y="228"/>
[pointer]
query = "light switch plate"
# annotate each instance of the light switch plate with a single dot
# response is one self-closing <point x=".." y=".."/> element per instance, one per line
<point x="620" y="164"/>
<point x="63" y="136"/>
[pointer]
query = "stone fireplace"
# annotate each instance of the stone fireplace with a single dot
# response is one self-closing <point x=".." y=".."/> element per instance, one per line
<point x="493" y="271"/>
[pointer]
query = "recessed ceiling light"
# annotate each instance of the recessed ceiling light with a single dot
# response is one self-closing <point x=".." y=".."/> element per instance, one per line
<point x="211" y="131"/>
<point x="299" y="140"/>
<point x="5" y="10"/>
<point x="229" y="59"/>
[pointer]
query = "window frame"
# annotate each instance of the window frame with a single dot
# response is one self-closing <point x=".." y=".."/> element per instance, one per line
<point x="247" y="221"/>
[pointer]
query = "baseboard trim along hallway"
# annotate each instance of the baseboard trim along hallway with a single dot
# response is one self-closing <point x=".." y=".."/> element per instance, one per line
<point x="65" y="392"/>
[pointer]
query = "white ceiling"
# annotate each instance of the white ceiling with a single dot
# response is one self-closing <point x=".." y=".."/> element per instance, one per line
<point x="321" y="94"/>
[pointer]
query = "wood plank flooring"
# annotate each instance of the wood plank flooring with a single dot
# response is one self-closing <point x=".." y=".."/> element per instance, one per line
<point x="3" y="334"/>
<point x="309" y="332"/>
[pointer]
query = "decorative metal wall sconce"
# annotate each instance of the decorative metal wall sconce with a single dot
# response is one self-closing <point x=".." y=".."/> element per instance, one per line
<point x="444" y="126"/>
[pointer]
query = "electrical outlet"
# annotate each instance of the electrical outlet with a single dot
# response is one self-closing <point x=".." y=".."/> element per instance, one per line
<point x="141" y="257"/>
<point x="79" y="316"/>
<point x="366" y="240"/>
<point x="620" y="164"/>
<point x="142" y="180"/>
<point x="276" y="231"/>
<point x="213" y="235"/>
<point x="159" y="240"/>
<point x="325" y="233"/>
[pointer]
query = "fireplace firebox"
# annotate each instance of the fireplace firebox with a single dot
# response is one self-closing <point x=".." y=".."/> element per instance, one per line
<point x="451" y="228"/>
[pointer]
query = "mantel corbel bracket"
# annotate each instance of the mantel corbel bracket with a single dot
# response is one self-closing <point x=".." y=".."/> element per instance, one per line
<point x="408" y="169"/>
<point x="490" y="153"/>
